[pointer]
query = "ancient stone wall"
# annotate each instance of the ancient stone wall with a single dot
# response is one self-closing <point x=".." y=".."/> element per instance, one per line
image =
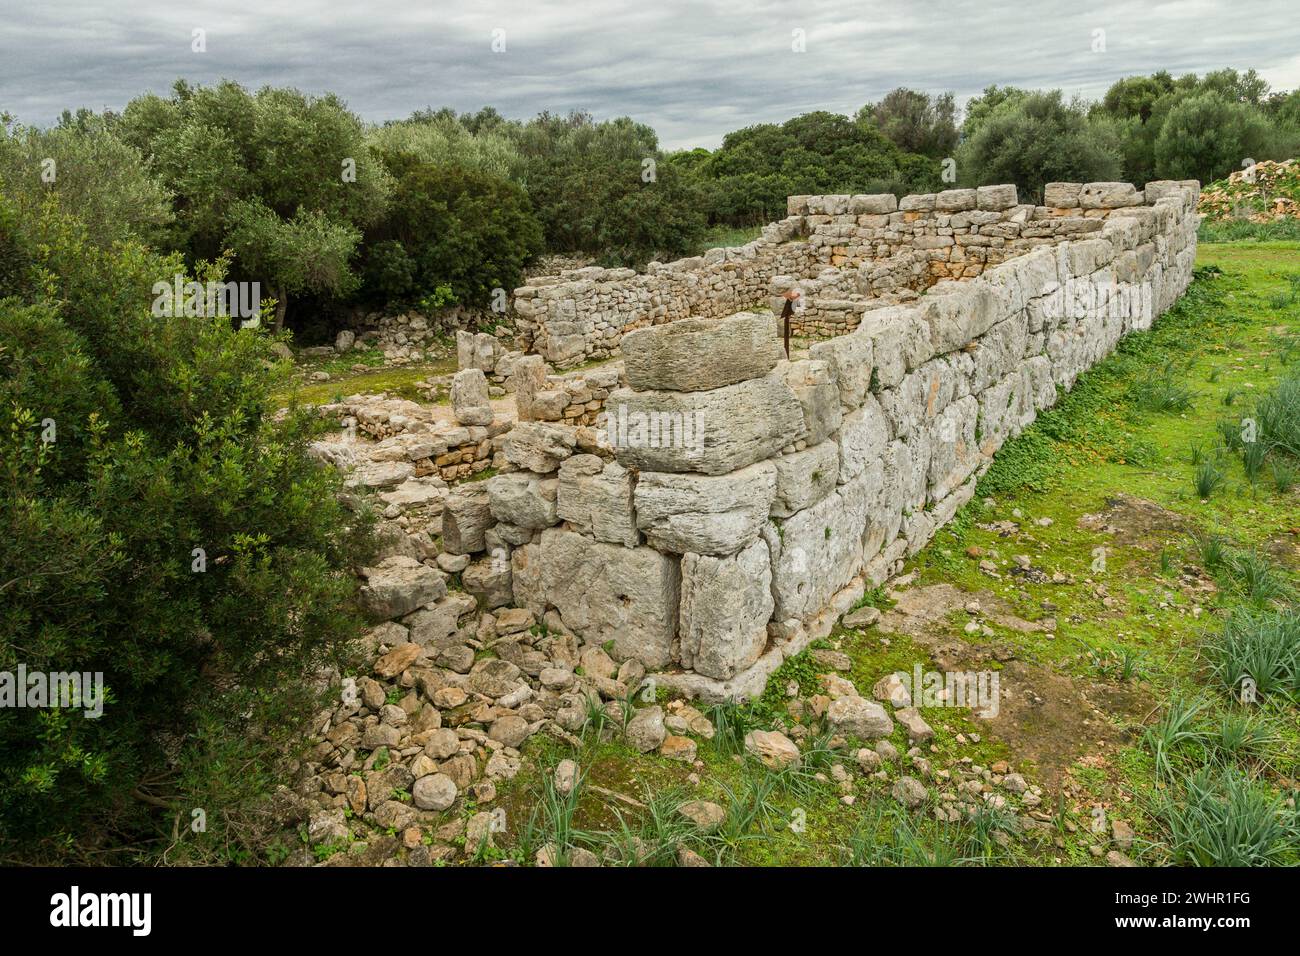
<point x="733" y="503"/>
<point x="839" y="251"/>
<point x="708" y="506"/>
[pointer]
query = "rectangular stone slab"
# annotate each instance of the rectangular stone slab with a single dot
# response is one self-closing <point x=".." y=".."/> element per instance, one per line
<point x="695" y="354"/>
<point x="711" y="432"/>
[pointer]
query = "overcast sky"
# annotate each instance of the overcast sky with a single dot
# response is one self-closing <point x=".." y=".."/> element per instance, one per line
<point x="693" y="71"/>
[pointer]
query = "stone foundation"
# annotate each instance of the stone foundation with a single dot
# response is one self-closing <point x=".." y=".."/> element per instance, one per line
<point x="736" y="503"/>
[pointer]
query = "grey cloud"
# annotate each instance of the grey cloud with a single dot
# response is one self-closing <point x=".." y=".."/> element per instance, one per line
<point x="691" y="70"/>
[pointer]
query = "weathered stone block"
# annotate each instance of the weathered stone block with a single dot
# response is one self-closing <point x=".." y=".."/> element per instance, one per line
<point x="466" y="515"/>
<point x="959" y="313"/>
<point x="705" y="514"/>
<point x="814" y="385"/>
<point x="954" y="453"/>
<point x="955" y="200"/>
<point x="725" y="606"/>
<point x="539" y="446"/>
<point x="397" y="586"/>
<point x="996" y="198"/>
<point x="695" y="354"/>
<point x="523" y="499"/>
<point x="595" y="497"/>
<point x="1109" y="196"/>
<point x="604" y="592"/>
<point x="862" y="438"/>
<point x="849" y="358"/>
<point x="900" y="338"/>
<point x="469" y="397"/>
<point x="804" y="478"/>
<point x="817" y="552"/>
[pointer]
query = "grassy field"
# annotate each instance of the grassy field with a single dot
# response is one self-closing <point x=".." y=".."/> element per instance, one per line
<point x="1144" y="529"/>
<point x="363" y="371"/>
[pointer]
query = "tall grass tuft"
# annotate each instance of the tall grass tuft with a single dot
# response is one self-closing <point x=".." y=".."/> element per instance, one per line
<point x="1176" y="730"/>
<point x="1264" y="646"/>
<point x="1208" y="479"/>
<point x="1220" y="817"/>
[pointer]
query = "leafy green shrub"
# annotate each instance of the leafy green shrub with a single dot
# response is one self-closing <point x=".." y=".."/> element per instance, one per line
<point x="168" y="533"/>
<point x="89" y="168"/>
<point x="466" y="231"/>
<point x="1037" y="138"/>
<point x="286" y="180"/>
<point x="1207" y="136"/>
<point x="749" y="177"/>
<point x="605" y="189"/>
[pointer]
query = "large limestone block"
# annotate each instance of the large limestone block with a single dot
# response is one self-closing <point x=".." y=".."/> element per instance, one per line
<point x="1109" y="195"/>
<point x="539" y="446"/>
<point x="996" y="198"/>
<point x="397" y="586"/>
<point x="1000" y="412"/>
<point x="489" y="580"/>
<point x="725" y="606"/>
<point x="998" y="351"/>
<point x="849" y="358"/>
<point x="876" y="204"/>
<point x="595" y="497"/>
<point x="805" y="477"/>
<point x="863" y="437"/>
<point x="817" y="552"/>
<point x="901" y="342"/>
<point x="955" y="200"/>
<point x="1086" y="256"/>
<point x="466" y="516"/>
<point x="1062" y="195"/>
<point x="954" y="453"/>
<point x="469" y="397"/>
<point x="921" y="396"/>
<point x="959" y="312"/>
<point x="694" y="354"/>
<point x="907" y="467"/>
<point x="438" y="624"/>
<point x="711" y="432"/>
<point x="705" y="514"/>
<point x="523" y="499"/>
<point x="603" y="592"/>
<point x="813" y="383"/>
<point x="529" y="379"/>
<point x="1017" y="281"/>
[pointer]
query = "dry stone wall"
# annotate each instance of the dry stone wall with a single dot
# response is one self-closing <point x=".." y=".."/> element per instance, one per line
<point x="843" y="253"/>
<point x="734" y="502"/>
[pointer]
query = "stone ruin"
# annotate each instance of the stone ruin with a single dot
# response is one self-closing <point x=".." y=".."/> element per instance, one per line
<point x="712" y="506"/>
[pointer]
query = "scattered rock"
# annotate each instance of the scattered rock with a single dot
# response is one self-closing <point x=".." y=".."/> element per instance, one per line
<point x="645" y="731"/>
<point x="910" y="792"/>
<point x="772" y="747"/>
<point x="705" y="815"/>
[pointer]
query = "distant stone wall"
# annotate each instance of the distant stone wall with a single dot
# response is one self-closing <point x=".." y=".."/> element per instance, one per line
<point x="843" y="253"/>
<point x="731" y="504"/>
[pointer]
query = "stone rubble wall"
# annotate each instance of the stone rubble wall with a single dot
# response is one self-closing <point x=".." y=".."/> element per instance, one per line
<point x="841" y="252"/>
<point x="733" y="504"/>
<point x="710" y="507"/>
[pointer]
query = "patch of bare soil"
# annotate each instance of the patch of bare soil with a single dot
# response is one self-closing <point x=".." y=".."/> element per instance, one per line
<point x="1136" y="522"/>
<point x="1047" y="719"/>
